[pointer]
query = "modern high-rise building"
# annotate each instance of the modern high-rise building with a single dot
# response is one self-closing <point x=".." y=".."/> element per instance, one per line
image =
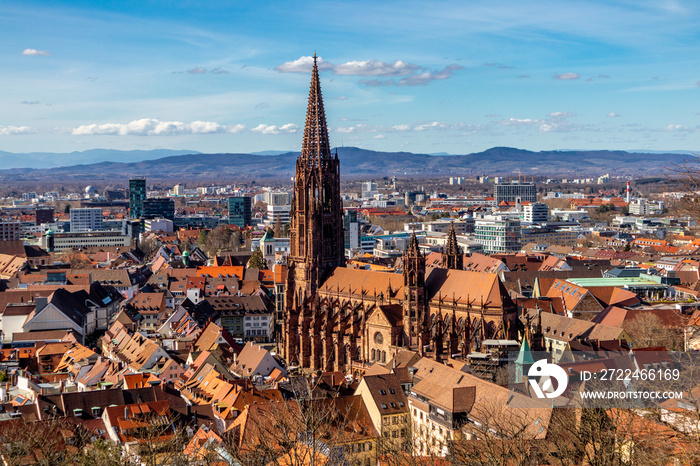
<point x="239" y="211"/>
<point x="535" y="212"/>
<point x="498" y="234"/>
<point x="510" y="192"/>
<point x="159" y="207"/>
<point x="351" y="230"/>
<point x="369" y="189"/>
<point x="85" y="219"/>
<point x="137" y="194"/>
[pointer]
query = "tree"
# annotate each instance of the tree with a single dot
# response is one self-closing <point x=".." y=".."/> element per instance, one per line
<point x="202" y="239"/>
<point x="149" y="247"/>
<point x="278" y="230"/>
<point x="305" y="431"/>
<point x="647" y="330"/>
<point x="257" y="260"/>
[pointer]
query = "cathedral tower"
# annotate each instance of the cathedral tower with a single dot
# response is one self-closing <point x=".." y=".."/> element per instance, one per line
<point x="316" y="233"/>
<point x="415" y="315"/>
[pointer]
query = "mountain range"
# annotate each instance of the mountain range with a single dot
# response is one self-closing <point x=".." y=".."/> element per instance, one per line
<point x="355" y="162"/>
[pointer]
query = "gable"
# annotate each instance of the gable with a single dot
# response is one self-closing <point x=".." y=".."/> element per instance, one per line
<point x="50" y="318"/>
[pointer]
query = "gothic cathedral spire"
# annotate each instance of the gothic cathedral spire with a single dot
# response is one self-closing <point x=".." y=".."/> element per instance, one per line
<point x="452" y="257"/>
<point x="315" y="234"/>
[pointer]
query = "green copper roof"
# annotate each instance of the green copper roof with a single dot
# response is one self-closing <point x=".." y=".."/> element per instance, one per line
<point x="524" y="355"/>
<point x="268" y="236"/>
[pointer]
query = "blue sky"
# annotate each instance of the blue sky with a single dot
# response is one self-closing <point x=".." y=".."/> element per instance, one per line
<point x="417" y="76"/>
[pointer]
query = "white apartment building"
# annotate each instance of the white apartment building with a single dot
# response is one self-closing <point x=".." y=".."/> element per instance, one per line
<point x="536" y="212"/>
<point x="498" y="234"/>
<point x="85" y="219"/>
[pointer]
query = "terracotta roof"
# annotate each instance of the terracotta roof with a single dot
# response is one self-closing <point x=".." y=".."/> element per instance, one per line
<point x="563" y="328"/>
<point x="618" y="316"/>
<point x="387" y="393"/>
<point x="468" y="288"/>
<point x="353" y="281"/>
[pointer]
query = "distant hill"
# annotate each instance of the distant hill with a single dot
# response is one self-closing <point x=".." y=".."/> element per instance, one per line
<point x="53" y="159"/>
<point x="354" y="162"/>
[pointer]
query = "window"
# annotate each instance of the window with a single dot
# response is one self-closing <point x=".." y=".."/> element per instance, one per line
<point x="382" y="391"/>
<point x="395" y="434"/>
<point x="384" y="406"/>
<point x="391" y="390"/>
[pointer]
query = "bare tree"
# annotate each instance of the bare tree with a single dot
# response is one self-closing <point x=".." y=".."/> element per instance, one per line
<point x="305" y="431"/>
<point x="648" y="330"/>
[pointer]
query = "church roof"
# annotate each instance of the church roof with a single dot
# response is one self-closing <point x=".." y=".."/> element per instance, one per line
<point x="355" y="281"/>
<point x="467" y="287"/>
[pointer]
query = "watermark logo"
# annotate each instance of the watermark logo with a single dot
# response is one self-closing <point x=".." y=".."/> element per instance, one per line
<point x="541" y="376"/>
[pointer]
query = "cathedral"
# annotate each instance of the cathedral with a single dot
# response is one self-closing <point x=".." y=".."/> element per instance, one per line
<point x="337" y="318"/>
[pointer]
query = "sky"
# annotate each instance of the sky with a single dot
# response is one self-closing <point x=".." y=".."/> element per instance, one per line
<point x="426" y="77"/>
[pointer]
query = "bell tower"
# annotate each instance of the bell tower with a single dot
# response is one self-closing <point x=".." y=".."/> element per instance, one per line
<point x="316" y="231"/>
<point x="414" y="305"/>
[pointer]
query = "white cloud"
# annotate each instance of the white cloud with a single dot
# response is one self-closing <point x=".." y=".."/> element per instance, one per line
<point x="425" y="78"/>
<point x="341" y="97"/>
<point x="519" y="122"/>
<point x="425" y="126"/>
<point x="675" y="127"/>
<point x="567" y="76"/>
<point x="613" y="114"/>
<point x="379" y="136"/>
<point x="401" y="128"/>
<point x="375" y="68"/>
<point x="12" y="130"/>
<point x="302" y="65"/>
<point x="35" y="53"/>
<point x="345" y="129"/>
<point x="289" y="128"/>
<point x="200" y="70"/>
<point x="235" y="129"/>
<point x="562" y="114"/>
<point x="150" y="127"/>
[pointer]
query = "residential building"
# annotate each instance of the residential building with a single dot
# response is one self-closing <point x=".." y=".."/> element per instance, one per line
<point x="535" y="212"/>
<point x="137" y="194"/>
<point x="388" y="408"/>
<point x="239" y="211"/>
<point x="9" y="231"/>
<point x="253" y="361"/>
<point x="498" y="234"/>
<point x="85" y="219"/>
<point x="277" y="198"/>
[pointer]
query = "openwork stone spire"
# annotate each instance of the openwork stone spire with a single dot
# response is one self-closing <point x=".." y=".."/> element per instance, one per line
<point x="315" y="146"/>
<point x="315" y="236"/>
<point x="452" y="256"/>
